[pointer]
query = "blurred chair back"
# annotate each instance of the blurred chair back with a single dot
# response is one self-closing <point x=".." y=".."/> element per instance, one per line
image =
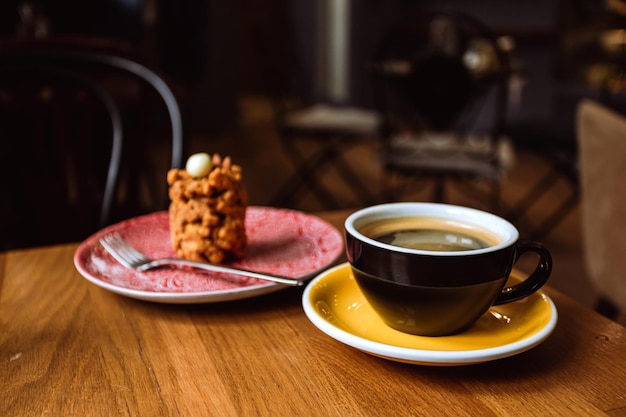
<point x="70" y="125"/>
<point x="602" y="152"/>
<point x="441" y="80"/>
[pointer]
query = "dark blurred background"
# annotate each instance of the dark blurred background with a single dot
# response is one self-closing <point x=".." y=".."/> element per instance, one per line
<point x="215" y="52"/>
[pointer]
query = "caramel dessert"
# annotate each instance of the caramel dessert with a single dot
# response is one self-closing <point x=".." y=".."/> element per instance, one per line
<point x="208" y="209"/>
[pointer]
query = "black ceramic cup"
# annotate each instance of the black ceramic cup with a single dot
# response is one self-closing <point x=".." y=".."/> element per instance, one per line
<point x="433" y="269"/>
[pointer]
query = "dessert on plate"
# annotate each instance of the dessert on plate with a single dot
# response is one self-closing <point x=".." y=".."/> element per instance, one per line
<point x="208" y="209"/>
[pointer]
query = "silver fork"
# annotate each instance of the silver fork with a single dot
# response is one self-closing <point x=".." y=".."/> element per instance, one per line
<point x="130" y="257"/>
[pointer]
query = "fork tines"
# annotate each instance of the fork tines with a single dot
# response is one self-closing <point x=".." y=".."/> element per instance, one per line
<point x="122" y="250"/>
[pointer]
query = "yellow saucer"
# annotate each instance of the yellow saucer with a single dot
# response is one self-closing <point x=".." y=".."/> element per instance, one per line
<point x="334" y="303"/>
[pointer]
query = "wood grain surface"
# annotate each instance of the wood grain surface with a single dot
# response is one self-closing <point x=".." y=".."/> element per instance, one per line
<point x="69" y="348"/>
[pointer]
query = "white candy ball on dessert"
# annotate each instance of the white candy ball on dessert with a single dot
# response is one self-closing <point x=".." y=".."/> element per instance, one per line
<point x="199" y="165"/>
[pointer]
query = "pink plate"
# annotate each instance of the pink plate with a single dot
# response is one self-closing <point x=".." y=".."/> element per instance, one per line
<point x="280" y="241"/>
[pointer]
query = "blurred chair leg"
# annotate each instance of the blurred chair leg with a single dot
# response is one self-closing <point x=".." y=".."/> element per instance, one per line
<point x="365" y="195"/>
<point x="493" y="194"/>
<point x="535" y="193"/>
<point x="439" y="191"/>
<point x="556" y="217"/>
<point x="307" y="175"/>
<point x="531" y="197"/>
<point x="303" y="178"/>
<point x="607" y="308"/>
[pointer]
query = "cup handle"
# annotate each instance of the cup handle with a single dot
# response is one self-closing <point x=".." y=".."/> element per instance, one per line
<point x="535" y="280"/>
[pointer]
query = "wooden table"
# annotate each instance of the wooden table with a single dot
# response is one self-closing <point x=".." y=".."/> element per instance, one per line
<point x="69" y="348"/>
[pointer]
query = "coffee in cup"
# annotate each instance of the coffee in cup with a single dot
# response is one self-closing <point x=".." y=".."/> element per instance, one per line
<point x="429" y="233"/>
<point x="433" y="269"/>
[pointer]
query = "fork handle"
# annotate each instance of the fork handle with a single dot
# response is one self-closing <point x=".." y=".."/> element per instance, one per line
<point x="221" y="268"/>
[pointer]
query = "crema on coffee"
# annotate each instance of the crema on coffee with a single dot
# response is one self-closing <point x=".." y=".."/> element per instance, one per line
<point x="429" y="233"/>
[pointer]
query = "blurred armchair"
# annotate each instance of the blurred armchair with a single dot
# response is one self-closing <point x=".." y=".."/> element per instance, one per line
<point x="602" y="151"/>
